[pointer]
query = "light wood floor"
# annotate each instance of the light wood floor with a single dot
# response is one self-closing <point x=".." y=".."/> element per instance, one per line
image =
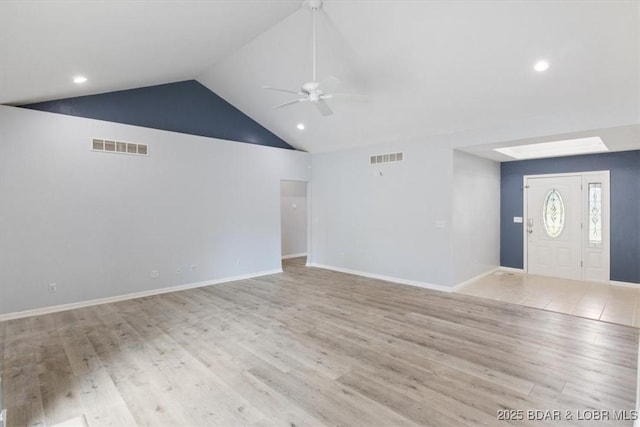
<point x="598" y="301"/>
<point x="311" y="347"/>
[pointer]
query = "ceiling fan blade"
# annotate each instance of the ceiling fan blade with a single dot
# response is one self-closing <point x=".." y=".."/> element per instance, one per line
<point x="329" y="84"/>
<point x="357" y="96"/>
<point x="297" y="92"/>
<point x="323" y="107"/>
<point x="295" y="101"/>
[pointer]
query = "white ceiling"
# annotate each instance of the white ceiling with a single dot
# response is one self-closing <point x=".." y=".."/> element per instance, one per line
<point x="120" y="44"/>
<point x="454" y="70"/>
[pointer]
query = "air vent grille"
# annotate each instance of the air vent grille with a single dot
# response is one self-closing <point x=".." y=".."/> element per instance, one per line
<point x="119" y="147"/>
<point x="386" y="158"/>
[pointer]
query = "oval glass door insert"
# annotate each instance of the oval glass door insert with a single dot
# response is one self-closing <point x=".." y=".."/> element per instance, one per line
<point x="553" y="213"/>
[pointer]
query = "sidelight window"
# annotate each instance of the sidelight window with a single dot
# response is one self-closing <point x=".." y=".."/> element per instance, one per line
<point x="595" y="214"/>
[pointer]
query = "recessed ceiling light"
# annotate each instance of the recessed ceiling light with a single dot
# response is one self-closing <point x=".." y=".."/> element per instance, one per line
<point x="300" y="126"/>
<point x="541" y="66"/>
<point x="569" y="147"/>
<point x="79" y="79"/>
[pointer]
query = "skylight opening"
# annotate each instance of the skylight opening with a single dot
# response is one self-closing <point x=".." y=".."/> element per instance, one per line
<point x="569" y="147"/>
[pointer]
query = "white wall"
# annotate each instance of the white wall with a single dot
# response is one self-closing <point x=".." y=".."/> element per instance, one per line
<point x="396" y="225"/>
<point x="293" y="211"/>
<point x="97" y="223"/>
<point x="476" y="216"/>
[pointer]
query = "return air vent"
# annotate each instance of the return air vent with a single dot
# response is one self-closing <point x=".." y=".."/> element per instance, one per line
<point x="120" y="147"/>
<point x="386" y="158"/>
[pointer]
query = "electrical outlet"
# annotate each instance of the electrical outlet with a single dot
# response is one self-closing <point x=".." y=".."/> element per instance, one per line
<point x="178" y="270"/>
<point x="194" y="267"/>
<point x="155" y="274"/>
<point x="53" y="288"/>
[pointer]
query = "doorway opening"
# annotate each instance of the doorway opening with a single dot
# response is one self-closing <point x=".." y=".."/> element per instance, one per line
<point x="293" y="220"/>
<point x="566" y="225"/>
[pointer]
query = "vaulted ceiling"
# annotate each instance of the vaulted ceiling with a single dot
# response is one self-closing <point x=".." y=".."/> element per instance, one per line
<point x="120" y="44"/>
<point x="454" y="70"/>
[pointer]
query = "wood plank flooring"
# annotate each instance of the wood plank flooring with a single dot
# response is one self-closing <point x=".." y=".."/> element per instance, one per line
<point x="311" y="347"/>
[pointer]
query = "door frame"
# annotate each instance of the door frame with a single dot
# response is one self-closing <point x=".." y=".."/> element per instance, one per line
<point x="307" y="218"/>
<point x="606" y="183"/>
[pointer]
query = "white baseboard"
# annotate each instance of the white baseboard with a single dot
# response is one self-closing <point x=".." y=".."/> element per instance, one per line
<point x="624" y="284"/>
<point x="294" y="256"/>
<point x="511" y="269"/>
<point x="473" y="279"/>
<point x="385" y="278"/>
<point x="88" y="303"/>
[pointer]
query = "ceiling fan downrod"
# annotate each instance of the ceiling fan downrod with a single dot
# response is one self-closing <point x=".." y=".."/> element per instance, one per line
<point x="315" y="5"/>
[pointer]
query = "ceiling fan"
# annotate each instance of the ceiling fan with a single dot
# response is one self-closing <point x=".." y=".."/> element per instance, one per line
<point x="314" y="92"/>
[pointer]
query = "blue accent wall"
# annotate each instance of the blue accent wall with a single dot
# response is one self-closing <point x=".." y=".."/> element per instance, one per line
<point x="624" y="168"/>
<point x="185" y="107"/>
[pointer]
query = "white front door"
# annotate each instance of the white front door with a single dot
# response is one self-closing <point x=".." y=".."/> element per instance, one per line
<point x="553" y="227"/>
<point x="566" y="226"/>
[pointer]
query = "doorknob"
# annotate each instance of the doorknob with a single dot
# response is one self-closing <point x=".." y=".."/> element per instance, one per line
<point x="529" y="225"/>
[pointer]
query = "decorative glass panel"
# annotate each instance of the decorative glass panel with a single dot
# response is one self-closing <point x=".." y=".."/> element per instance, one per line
<point x="595" y="213"/>
<point x="553" y="213"/>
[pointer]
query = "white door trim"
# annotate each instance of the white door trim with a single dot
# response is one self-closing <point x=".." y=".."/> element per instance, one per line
<point x="308" y="219"/>
<point x="309" y="222"/>
<point x="525" y="198"/>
